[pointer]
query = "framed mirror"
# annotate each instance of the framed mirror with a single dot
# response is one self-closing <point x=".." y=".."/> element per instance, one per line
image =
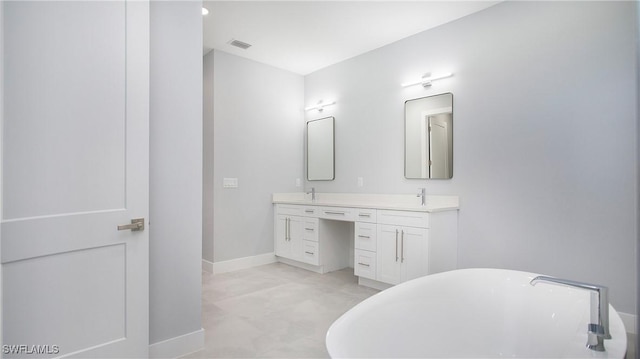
<point x="321" y="149"/>
<point x="428" y="137"/>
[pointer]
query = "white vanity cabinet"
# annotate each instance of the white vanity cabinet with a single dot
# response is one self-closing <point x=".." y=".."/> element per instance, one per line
<point x="310" y="247"/>
<point x="296" y="236"/>
<point x="402" y="253"/>
<point x="288" y="237"/>
<point x="403" y="247"/>
<point x="386" y="242"/>
<point x="365" y="241"/>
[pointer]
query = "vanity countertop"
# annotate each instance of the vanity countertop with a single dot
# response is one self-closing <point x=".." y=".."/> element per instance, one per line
<point x="399" y="202"/>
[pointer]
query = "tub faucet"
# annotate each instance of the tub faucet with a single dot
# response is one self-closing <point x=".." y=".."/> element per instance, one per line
<point x="598" y="329"/>
<point x="313" y="194"/>
<point x="423" y="196"/>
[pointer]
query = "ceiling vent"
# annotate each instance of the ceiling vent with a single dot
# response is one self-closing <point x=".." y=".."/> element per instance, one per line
<point x="240" y="44"/>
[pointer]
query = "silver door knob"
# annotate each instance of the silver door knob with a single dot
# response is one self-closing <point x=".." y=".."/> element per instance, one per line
<point x="137" y="224"/>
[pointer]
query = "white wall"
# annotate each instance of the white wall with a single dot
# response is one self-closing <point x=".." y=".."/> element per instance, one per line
<point x="175" y="169"/>
<point x="257" y="138"/>
<point x="545" y="134"/>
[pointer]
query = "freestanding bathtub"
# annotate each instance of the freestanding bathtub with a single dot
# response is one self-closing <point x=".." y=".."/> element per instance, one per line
<point x="472" y="313"/>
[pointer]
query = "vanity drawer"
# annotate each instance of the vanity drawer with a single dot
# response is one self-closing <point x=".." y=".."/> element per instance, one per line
<point x="404" y="218"/>
<point x="290" y="209"/>
<point x="310" y="211"/>
<point x="337" y="213"/>
<point x="366" y="215"/>
<point x="364" y="264"/>
<point x="310" y="229"/>
<point x="310" y="252"/>
<point x="365" y="236"/>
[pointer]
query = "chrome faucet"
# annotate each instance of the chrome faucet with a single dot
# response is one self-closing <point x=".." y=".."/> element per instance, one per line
<point x="423" y="196"/>
<point x="313" y="193"/>
<point x="598" y="329"/>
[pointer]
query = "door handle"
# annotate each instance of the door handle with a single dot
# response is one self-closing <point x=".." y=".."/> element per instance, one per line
<point x="137" y="224"/>
<point x="402" y="244"/>
<point x="286" y="229"/>
<point x="335" y="213"/>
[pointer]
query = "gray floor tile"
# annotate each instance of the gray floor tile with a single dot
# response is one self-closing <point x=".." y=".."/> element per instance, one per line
<point x="274" y="311"/>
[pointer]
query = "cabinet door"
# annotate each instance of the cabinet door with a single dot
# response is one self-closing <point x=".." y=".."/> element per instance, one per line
<point x="389" y="269"/>
<point x="296" y="230"/>
<point x="283" y="248"/>
<point x="289" y="233"/>
<point x="413" y="252"/>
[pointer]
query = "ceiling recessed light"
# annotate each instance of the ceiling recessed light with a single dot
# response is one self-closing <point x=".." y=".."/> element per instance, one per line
<point x="205" y="11"/>
<point x="240" y="44"/>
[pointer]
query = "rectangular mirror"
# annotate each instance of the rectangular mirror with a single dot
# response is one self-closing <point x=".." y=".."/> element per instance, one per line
<point x="428" y="139"/>
<point x="320" y="149"/>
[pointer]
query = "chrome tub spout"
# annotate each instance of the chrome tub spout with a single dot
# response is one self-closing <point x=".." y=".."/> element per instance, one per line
<point x="598" y="329"/>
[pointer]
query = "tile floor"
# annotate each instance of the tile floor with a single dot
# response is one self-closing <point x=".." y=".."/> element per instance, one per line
<point x="278" y="311"/>
<point x="274" y="311"/>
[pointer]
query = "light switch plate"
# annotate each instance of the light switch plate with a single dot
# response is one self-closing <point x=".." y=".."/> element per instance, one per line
<point x="298" y="182"/>
<point x="230" y="183"/>
<point x="360" y="181"/>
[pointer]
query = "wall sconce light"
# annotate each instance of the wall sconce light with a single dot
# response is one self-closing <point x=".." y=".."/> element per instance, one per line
<point x="425" y="81"/>
<point x="320" y="106"/>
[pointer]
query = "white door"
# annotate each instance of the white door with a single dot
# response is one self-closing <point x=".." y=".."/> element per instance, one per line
<point x="439" y="148"/>
<point x="74" y="167"/>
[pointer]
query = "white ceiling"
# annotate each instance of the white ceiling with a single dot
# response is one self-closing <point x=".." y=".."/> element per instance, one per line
<point x="305" y="36"/>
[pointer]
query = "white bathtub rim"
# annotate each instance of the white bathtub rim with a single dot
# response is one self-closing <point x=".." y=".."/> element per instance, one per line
<point x="616" y="347"/>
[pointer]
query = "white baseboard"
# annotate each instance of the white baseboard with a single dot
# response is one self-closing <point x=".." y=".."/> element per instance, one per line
<point x="630" y="322"/>
<point x="373" y="283"/>
<point x="309" y="267"/>
<point x="239" y="263"/>
<point x="207" y="266"/>
<point x="178" y="346"/>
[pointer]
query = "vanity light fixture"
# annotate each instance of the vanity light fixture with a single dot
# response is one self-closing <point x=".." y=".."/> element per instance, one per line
<point x="426" y="80"/>
<point x="320" y="106"/>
